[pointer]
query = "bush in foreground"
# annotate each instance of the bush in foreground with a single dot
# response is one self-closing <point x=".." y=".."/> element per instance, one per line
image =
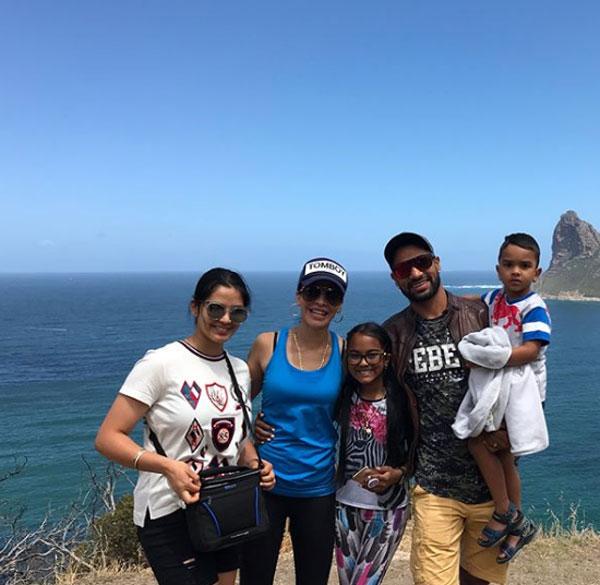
<point x="113" y="538"/>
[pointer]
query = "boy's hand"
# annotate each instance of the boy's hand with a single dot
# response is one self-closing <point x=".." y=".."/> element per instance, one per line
<point x="525" y="353"/>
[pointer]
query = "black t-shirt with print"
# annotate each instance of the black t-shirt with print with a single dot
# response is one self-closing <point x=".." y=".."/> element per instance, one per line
<point x="439" y="380"/>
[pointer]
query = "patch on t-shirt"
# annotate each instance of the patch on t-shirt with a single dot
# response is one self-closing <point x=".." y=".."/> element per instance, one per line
<point x="191" y="393"/>
<point x="222" y="432"/>
<point x="194" y="435"/>
<point x="217" y="395"/>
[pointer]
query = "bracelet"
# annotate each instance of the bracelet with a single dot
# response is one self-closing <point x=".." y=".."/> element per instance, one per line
<point x="137" y="458"/>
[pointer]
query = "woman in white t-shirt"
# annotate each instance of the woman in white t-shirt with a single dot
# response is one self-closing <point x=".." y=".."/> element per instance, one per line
<point x="184" y="392"/>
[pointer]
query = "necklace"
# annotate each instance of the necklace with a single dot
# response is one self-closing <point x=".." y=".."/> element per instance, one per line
<point x="367" y="418"/>
<point x="377" y="398"/>
<point x="299" y="353"/>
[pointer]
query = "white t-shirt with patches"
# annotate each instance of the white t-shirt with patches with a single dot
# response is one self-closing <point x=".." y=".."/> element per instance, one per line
<point x="193" y="412"/>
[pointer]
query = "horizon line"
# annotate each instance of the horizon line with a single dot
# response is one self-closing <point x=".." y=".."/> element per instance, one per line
<point x="164" y="271"/>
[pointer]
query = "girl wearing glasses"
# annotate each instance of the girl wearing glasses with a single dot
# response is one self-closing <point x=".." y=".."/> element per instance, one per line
<point x="375" y="431"/>
<point x="298" y="370"/>
<point x="183" y="391"/>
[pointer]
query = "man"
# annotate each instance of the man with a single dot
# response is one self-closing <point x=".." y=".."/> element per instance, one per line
<point x="451" y="503"/>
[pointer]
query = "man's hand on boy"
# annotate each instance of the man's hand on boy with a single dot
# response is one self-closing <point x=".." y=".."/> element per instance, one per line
<point x="496" y="440"/>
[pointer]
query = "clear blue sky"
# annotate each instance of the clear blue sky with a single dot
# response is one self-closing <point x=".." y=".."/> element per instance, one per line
<point x="146" y="135"/>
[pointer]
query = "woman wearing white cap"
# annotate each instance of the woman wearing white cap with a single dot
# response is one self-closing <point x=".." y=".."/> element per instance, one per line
<point x="299" y="372"/>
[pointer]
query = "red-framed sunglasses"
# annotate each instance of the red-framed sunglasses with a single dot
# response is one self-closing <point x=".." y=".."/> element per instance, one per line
<point x="422" y="263"/>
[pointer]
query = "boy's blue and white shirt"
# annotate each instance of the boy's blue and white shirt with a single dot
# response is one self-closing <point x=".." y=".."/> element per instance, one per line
<point x="525" y="319"/>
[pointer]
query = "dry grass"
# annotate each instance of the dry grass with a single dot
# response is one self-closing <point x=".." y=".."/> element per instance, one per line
<point x="110" y="575"/>
<point x="558" y="557"/>
<point x="559" y="560"/>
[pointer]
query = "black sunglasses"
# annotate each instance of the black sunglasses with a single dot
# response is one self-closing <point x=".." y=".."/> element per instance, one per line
<point x="333" y="295"/>
<point x="421" y="263"/>
<point x="216" y="311"/>
<point x="372" y="358"/>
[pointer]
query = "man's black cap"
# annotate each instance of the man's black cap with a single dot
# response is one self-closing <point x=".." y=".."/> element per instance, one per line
<point x="405" y="239"/>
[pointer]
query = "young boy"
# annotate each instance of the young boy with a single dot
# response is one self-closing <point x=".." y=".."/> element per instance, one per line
<point x="524" y="316"/>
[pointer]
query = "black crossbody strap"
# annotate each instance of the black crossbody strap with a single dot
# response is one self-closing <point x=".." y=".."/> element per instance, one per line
<point x="242" y="403"/>
<point x="154" y="440"/>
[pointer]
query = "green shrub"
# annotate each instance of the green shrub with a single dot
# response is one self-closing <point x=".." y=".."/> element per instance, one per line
<point x="114" y="537"/>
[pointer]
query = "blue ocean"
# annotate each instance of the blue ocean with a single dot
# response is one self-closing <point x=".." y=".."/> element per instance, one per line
<point x="69" y="340"/>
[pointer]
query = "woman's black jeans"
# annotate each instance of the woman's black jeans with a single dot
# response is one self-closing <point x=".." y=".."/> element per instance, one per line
<point x="312" y="528"/>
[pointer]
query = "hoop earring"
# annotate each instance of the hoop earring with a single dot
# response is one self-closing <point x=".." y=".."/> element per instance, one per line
<point x="339" y="317"/>
<point x="295" y="312"/>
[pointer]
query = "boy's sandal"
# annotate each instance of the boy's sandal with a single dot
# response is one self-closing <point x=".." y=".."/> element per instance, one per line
<point x="490" y="537"/>
<point x="526" y="530"/>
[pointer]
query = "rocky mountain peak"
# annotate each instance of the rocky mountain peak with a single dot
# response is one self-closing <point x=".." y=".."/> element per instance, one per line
<point x="574" y="271"/>
<point x="573" y="238"/>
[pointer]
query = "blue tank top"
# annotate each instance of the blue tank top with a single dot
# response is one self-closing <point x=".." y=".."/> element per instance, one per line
<point x="299" y="404"/>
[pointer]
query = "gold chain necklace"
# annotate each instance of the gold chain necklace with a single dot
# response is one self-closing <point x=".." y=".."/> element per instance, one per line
<point x="299" y="353"/>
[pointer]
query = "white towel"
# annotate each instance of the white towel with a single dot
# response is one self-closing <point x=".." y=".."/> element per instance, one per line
<point x="489" y="348"/>
<point x="497" y="392"/>
<point x="524" y="416"/>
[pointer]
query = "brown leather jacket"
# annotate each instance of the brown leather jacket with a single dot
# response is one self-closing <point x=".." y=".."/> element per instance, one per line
<point x="465" y="316"/>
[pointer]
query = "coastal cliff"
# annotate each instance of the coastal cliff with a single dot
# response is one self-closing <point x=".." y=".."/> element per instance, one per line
<point x="574" y="271"/>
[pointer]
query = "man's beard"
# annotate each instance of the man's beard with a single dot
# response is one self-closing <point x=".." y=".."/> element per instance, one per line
<point x="425" y="295"/>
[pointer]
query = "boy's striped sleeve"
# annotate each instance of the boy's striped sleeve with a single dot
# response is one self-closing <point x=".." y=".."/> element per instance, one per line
<point x="537" y="325"/>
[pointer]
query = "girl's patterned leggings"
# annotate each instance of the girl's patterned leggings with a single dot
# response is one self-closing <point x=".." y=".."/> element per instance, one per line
<point x="365" y="542"/>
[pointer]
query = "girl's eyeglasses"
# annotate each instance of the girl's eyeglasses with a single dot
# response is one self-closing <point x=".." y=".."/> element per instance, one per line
<point x="216" y="311"/>
<point x="371" y="357"/>
<point x="333" y="295"/>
